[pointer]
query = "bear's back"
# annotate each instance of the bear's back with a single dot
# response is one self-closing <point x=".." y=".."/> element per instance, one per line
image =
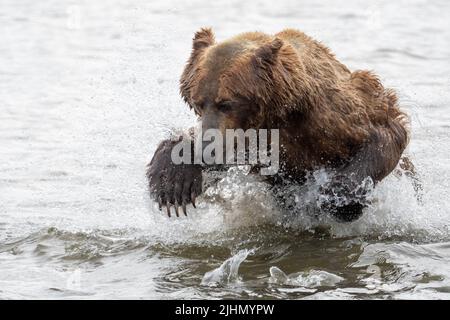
<point x="316" y="58"/>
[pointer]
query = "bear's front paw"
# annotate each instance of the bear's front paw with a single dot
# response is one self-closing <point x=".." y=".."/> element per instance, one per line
<point x="343" y="198"/>
<point x="172" y="184"/>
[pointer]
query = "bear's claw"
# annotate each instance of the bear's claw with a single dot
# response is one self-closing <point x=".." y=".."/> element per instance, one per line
<point x="172" y="184"/>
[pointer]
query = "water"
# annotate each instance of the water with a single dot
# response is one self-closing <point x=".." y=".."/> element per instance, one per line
<point x="88" y="89"/>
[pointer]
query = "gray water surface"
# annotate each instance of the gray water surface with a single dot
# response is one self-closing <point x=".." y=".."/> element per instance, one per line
<point x="88" y="89"/>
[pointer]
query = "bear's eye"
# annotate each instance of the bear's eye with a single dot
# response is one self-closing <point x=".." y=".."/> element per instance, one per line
<point x="225" y="106"/>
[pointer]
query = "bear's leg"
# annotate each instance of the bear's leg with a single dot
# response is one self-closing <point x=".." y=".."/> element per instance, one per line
<point x="172" y="184"/>
<point x="345" y="196"/>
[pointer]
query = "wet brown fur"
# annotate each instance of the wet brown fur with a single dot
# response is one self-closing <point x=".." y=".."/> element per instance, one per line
<point x="327" y="115"/>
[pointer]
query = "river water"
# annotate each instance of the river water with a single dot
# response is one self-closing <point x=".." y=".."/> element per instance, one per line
<point x="87" y="90"/>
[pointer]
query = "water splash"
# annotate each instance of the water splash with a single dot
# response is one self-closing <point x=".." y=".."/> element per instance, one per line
<point x="228" y="272"/>
<point x="242" y="198"/>
<point x="395" y="211"/>
<point x="310" y="279"/>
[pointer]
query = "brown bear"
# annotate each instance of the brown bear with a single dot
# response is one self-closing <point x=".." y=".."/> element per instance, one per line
<point x="327" y="116"/>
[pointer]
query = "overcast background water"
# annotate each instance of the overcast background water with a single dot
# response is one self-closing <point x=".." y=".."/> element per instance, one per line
<point x="88" y="88"/>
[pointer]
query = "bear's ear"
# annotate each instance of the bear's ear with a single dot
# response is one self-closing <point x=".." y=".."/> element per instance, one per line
<point x="268" y="52"/>
<point x="203" y="39"/>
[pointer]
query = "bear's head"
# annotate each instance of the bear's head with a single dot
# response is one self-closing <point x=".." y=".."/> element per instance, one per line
<point x="243" y="83"/>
